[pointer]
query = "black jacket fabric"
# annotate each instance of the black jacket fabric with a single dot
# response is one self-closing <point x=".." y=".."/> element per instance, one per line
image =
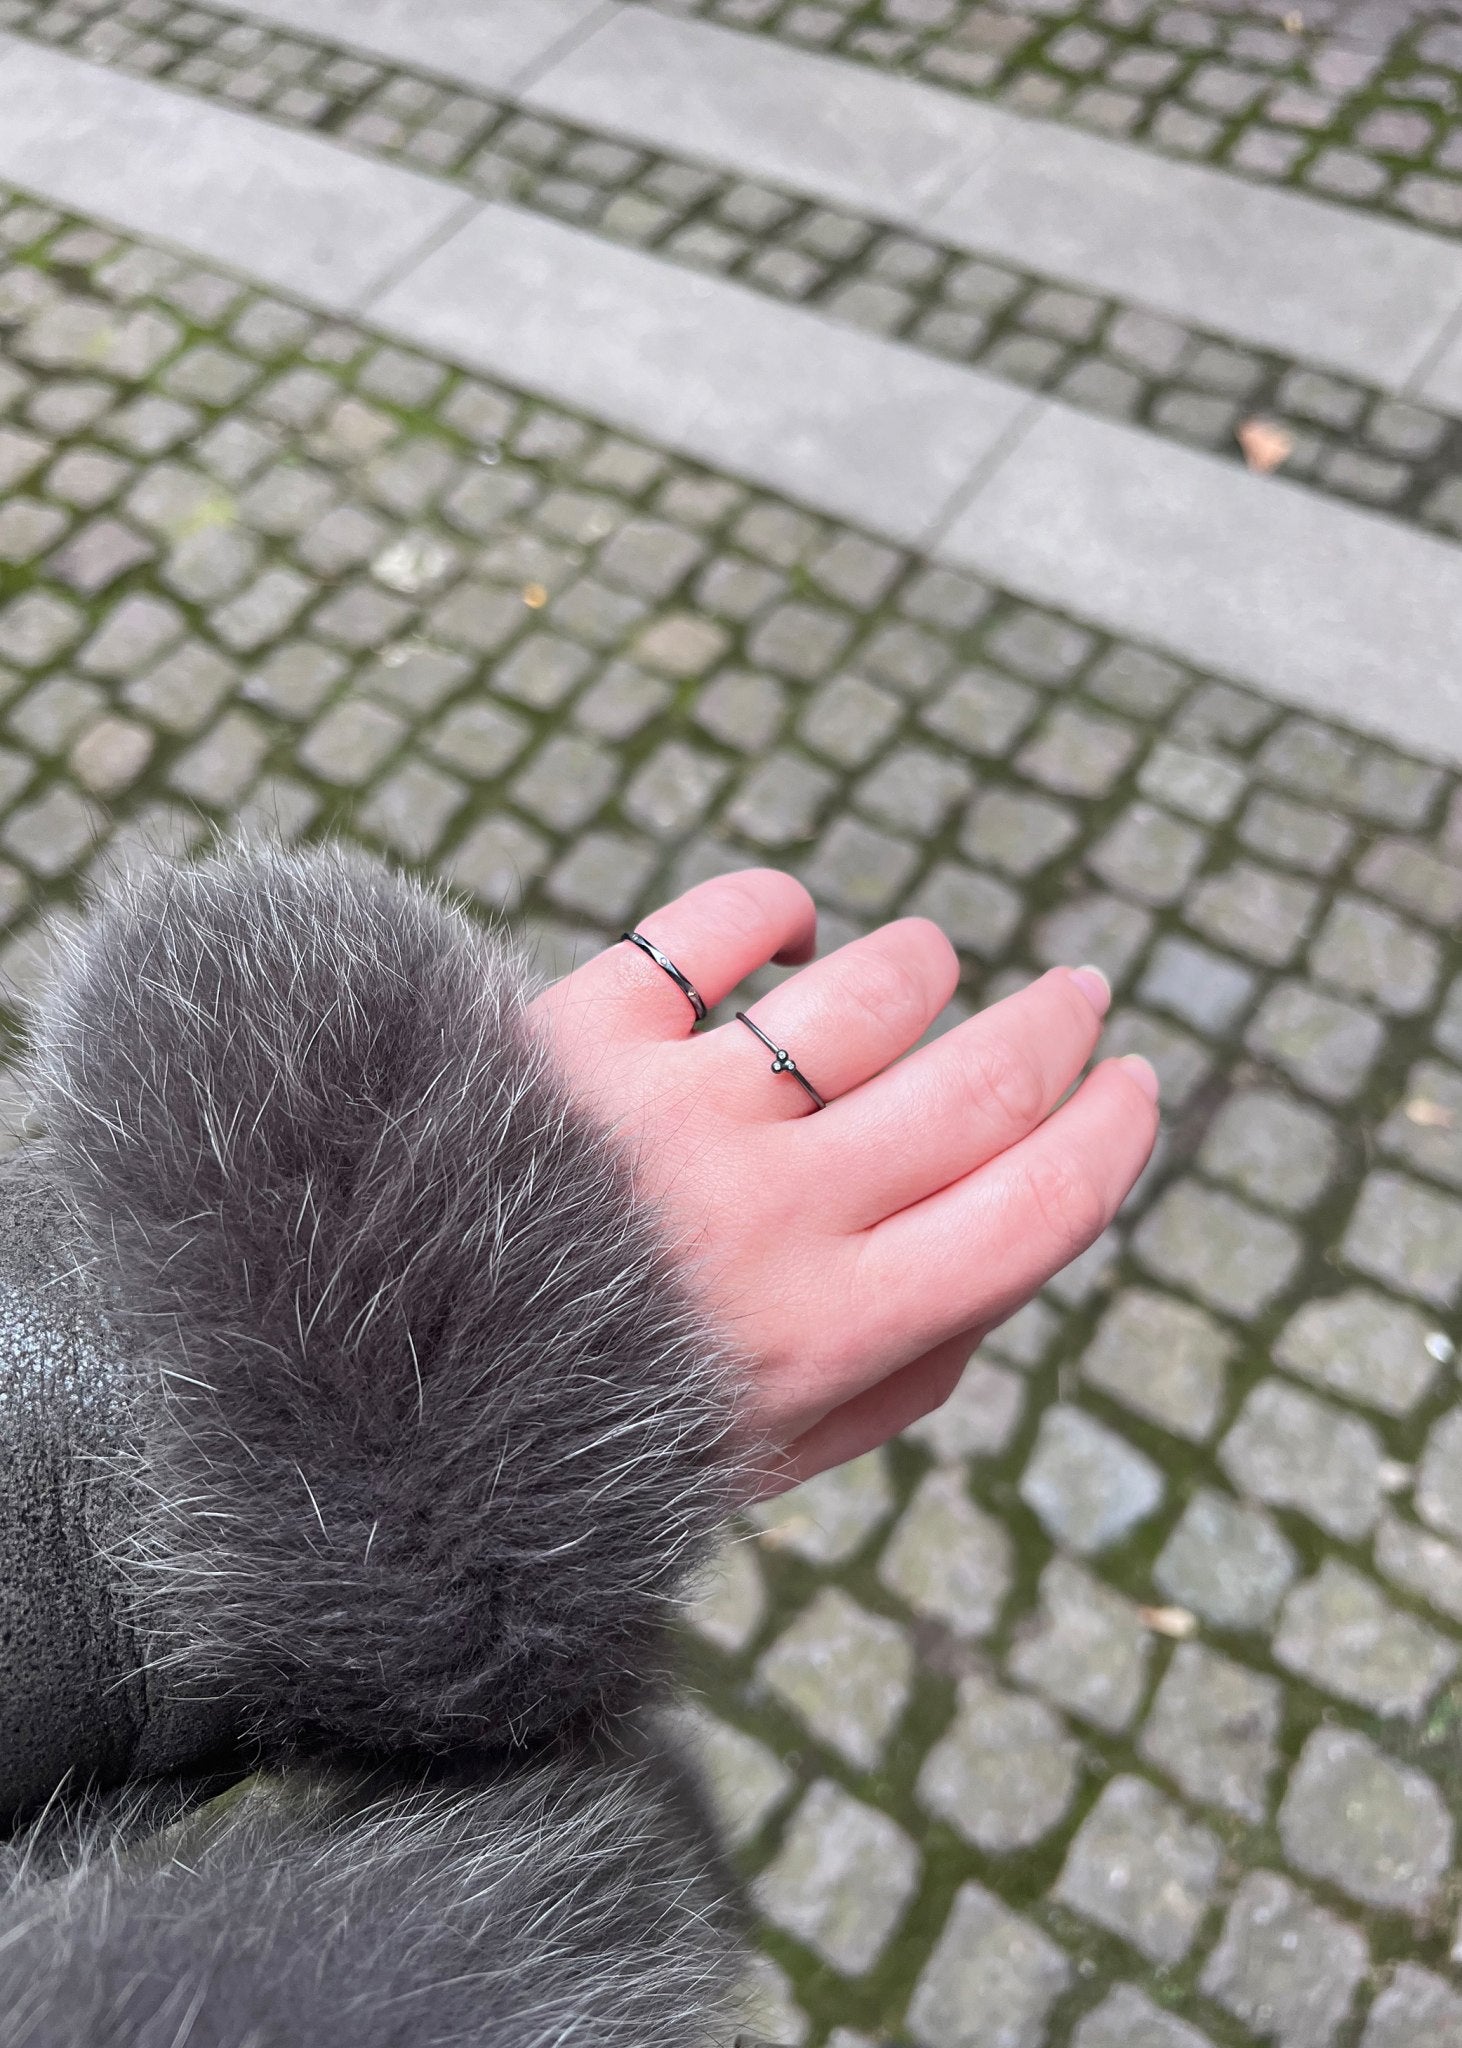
<point x="357" y="1440"/>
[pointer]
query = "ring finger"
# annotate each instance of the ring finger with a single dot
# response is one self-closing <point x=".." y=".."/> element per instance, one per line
<point x="841" y="1020"/>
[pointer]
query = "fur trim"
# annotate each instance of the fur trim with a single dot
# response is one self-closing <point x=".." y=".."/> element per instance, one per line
<point x="432" y="1436"/>
<point x="562" y="1905"/>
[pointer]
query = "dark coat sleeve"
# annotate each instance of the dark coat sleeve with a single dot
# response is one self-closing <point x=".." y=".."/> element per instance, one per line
<point x="410" y="1433"/>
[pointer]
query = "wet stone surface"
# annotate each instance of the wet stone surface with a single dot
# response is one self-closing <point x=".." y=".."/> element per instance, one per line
<point x="1116" y="1702"/>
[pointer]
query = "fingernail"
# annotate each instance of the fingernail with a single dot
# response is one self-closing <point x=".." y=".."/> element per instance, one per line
<point x="1094" y="986"/>
<point x="1143" y="1072"/>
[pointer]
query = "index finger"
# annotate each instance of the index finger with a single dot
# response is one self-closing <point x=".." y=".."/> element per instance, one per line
<point x="716" y="933"/>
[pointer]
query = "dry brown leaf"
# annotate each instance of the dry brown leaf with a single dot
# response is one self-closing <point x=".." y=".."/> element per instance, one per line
<point x="794" y="1529"/>
<point x="534" y="596"/>
<point x="1265" y="445"/>
<point x="1432" y="1116"/>
<point x="1294" y="23"/>
<point x="1168" y="1621"/>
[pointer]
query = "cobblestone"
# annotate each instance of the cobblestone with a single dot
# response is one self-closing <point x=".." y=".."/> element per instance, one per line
<point x="1355" y="1819"/>
<point x="1140" y="1869"/>
<point x="1004" y="1773"/>
<point x="1286" y="1966"/>
<point x="475" y="574"/>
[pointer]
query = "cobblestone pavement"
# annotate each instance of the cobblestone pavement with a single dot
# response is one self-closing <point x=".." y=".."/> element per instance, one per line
<point x="1355" y="99"/>
<point x="1119" y="360"/>
<point x="1119" y="1702"/>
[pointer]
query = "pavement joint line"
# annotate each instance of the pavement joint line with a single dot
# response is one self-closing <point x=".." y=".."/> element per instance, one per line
<point x="572" y="39"/>
<point x="894" y="465"/>
<point x="1004" y="447"/>
<point x="1424" y="379"/>
<point x="411" y="259"/>
<point x="1190" y="396"/>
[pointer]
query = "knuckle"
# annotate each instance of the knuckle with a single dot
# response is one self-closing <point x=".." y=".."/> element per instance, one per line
<point x="1071" y="1205"/>
<point x="889" y="992"/>
<point x="1006" y="1079"/>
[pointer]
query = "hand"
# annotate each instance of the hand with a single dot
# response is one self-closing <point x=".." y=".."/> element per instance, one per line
<point x="854" y="1255"/>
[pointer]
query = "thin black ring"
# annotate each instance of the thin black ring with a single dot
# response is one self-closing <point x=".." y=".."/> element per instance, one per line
<point x="783" y="1062"/>
<point x="697" y="1001"/>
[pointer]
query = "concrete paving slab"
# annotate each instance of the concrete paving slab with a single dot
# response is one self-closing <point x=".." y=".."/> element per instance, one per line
<point x="858" y="426"/>
<point x="1315" y="603"/>
<point x="491" y="44"/>
<point x="842" y="132"/>
<point x="302" y="215"/>
<point x="1328" y="284"/>
<point x="1440" y="382"/>
<point x="1275" y="269"/>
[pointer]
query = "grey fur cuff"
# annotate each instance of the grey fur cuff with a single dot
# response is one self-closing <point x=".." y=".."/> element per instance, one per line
<point x="431" y="1433"/>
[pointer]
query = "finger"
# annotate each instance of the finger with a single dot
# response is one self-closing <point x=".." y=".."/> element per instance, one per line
<point x="949" y="1106"/>
<point x="975" y="1250"/>
<point x="842" y="1019"/>
<point x="716" y="933"/>
<point x="877" y="1414"/>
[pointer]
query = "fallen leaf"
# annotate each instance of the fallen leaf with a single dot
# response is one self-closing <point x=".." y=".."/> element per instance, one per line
<point x="1294" y="23"/>
<point x="1432" y="1116"/>
<point x="793" y="1529"/>
<point x="1265" y="445"/>
<point x="1168" y="1621"/>
<point x="534" y="596"/>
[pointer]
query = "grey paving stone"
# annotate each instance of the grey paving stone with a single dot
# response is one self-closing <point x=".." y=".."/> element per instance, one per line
<point x="49" y="717"/>
<point x="1339" y="1630"/>
<point x="982" y="712"/>
<point x="1004" y="1773"/>
<point x="1089" y="1486"/>
<point x="1415" y="2010"/>
<point x="36" y="627"/>
<point x="1327" y="1046"/>
<point x="1376" y="1829"/>
<point x="1087" y="1648"/>
<point x="1163" y="1359"/>
<point x="1200" y="785"/>
<point x="746" y="1782"/>
<point x="1016" y="832"/>
<point x="1366" y="951"/>
<point x="1424" y="1127"/>
<point x="977" y="912"/>
<point x="1403" y="1234"/>
<point x="110" y="756"/>
<point x="602" y="876"/>
<point x="844" y="1673"/>
<point x="1286" y="1966"/>
<point x="1142" y="1870"/>
<point x="1420" y="1564"/>
<point x="991" y="1980"/>
<point x="1101" y="930"/>
<point x="858" y="868"/>
<point x="1149" y="854"/>
<point x="1439" y="1476"/>
<point x="1363" y="1346"/>
<point x="947" y="1559"/>
<point x="1213" y="1728"/>
<point x="1294" y="833"/>
<point x="848" y="719"/>
<point x="50" y="835"/>
<point x="286" y="207"/>
<point x="978" y="1420"/>
<point x="781" y="800"/>
<point x="1304" y="597"/>
<point x="218" y="768"/>
<point x="829" y="1519"/>
<point x="1290" y="1450"/>
<point x="1233" y="1257"/>
<point x="183" y="690"/>
<point x="1127" y="2018"/>
<point x="410" y="810"/>
<point x="1077" y="753"/>
<point x="728" y="1600"/>
<point x="1254" y="910"/>
<point x="1271" y="1148"/>
<point x="841" y="1881"/>
<point x="1198" y="985"/>
<point x="1414" y="879"/>
<point x="497" y="860"/>
<point x="855" y="425"/>
<point x="913" y="789"/>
